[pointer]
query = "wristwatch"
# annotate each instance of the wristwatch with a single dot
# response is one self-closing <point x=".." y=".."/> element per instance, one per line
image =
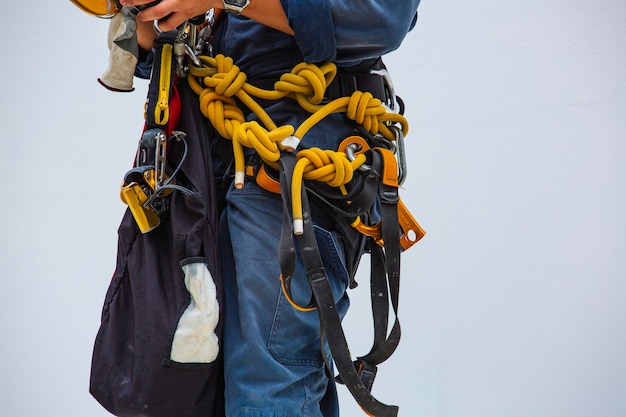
<point x="235" y="6"/>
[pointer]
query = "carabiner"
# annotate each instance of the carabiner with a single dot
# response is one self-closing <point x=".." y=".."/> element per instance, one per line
<point x="400" y="154"/>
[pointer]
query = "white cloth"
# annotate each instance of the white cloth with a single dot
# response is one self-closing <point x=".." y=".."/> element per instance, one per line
<point x="195" y="340"/>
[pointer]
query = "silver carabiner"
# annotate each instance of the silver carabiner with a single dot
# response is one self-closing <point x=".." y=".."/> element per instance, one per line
<point x="181" y="47"/>
<point x="400" y="154"/>
<point x="203" y="43"/>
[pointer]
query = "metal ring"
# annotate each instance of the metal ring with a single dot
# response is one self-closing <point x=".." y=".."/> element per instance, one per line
<point x="350" y="151"/>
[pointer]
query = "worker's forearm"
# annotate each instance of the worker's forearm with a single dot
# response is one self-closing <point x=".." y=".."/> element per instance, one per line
<point x="145" y="35"/>
<point x="267" y="12"/>
<point x="270" y="13"/>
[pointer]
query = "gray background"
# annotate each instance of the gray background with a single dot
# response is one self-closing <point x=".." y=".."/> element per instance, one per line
<point x="513" y="305"/>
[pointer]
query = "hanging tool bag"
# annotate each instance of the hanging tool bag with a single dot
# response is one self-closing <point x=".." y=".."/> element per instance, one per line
<point x="158" y="350"/>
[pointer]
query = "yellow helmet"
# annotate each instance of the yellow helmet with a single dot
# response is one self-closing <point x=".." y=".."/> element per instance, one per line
<point x="101" y="8"/>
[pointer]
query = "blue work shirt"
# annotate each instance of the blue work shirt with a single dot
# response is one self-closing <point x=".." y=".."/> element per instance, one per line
<point x="341" y="31"/>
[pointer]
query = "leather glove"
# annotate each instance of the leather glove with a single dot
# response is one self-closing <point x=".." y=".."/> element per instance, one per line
<point x="123" y="52"/>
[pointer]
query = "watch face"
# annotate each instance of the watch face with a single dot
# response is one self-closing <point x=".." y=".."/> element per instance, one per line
<point x="236" y="3"/>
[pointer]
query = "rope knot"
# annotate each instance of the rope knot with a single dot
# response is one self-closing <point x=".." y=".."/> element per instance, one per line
<point x="364" y="109"/>
<point x="315" y="164"/>
<point x="263" y="141"/>
<point x="324" y="165"/>
<point x="222" y="111"/>
<point x="307" y="82"/>
<point x="228" y="79"/>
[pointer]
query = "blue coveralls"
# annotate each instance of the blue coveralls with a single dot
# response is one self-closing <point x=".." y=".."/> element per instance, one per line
<point x="273" y="361"/>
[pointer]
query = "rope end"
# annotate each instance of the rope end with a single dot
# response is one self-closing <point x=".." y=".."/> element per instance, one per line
<point x="239" y="177"/>
<point x="298" y="227"/>
<point x="290" y="143"/>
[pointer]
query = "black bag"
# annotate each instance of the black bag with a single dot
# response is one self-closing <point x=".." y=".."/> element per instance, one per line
<point x="148" y="359"/>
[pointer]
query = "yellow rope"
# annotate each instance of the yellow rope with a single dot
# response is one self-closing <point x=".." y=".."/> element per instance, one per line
<point x="323" y="165"/>
<point x="219" y="81"/>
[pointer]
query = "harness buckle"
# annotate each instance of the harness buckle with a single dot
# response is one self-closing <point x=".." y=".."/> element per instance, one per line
<point x="412" y="232"/>
<point x="369" y="76"/>
<point x="257" y="171"/>
<point x="366" y="371"/>
<point x="390" y="92"/>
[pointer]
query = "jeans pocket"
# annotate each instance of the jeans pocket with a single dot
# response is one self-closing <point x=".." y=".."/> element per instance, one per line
<point x="295" y="335"/>
<point x="333" y="255"/>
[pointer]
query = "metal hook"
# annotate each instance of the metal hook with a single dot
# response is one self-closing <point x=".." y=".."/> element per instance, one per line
<point x="400" y="154"/>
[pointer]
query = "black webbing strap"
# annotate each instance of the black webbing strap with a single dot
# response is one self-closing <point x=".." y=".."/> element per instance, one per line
<point x="385" y="272"/>
<point x="358" y="381"/>
<point x="360" y="77"/>
<point x="287" y="247"/>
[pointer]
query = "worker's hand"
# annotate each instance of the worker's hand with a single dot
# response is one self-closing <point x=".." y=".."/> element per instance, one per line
<point x="176" y="11"/>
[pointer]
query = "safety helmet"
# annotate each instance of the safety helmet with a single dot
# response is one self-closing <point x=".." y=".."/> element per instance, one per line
<point x="105" y="9"/>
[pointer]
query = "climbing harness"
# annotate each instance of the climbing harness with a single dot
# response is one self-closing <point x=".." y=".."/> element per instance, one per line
<point x="358" y="182"/>
<point x="351" y="179"/>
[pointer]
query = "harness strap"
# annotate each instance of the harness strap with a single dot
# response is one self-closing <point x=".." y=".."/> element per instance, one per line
<point x="330" y="323"/>
<point x="357" y="375"/>
<point x="385" y="263"/>
<point x="385" y="270"/>
<point x="362" y="77"/>
<point x="287" y="248"/>
<point x="162" y="102"/>
<point x="385" y="253"/>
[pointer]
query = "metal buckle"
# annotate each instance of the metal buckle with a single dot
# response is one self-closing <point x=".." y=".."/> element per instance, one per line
<point x="391" y="93"/>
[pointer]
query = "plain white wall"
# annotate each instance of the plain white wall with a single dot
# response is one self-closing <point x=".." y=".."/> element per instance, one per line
<point x="512" y="305"/>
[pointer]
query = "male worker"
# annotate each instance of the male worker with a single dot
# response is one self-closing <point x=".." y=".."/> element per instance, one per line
<point x="273" y="360"/>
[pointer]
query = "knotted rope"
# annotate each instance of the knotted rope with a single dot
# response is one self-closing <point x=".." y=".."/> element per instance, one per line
<point x="218" y="81"/>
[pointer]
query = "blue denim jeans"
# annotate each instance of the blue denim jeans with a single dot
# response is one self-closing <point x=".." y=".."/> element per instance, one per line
<point x="272" y="352"/>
